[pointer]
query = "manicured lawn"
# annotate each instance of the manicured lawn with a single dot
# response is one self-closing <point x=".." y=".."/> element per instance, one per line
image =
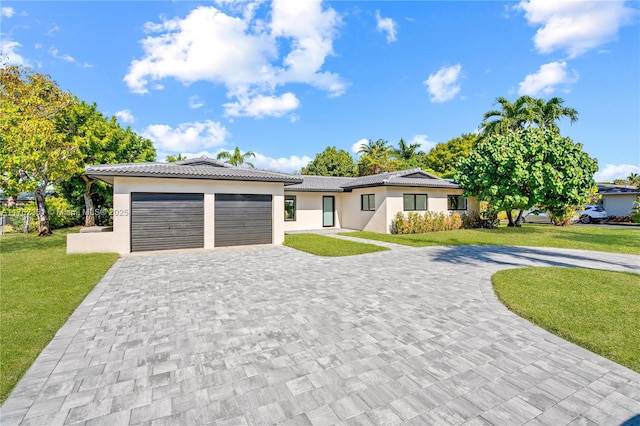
<point x="598" y="310"/>
<point x="602" y="238"/>
<point x="328" y="246"/>
<point x="41" y="287"/>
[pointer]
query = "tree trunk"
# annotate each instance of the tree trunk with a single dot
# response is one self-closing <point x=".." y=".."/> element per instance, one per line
<point x="519" y="218"/>
<point x="44" y="229"/>
<point x="510" y="218"/>
<point x="89" y="207"/>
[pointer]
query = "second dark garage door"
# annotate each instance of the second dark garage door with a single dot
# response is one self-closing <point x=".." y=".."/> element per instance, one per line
<point x="243" y="219"/>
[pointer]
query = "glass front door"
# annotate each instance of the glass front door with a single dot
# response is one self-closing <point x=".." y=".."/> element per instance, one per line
<point x="327" y="211"/>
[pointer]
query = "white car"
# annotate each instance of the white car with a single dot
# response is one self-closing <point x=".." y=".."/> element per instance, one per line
<point x="536" y="216"/>
<point x="593" y="213"/>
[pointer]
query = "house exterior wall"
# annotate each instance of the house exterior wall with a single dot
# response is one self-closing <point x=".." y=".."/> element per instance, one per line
<point x="309" y="210"/>
<point x="618" y="204"/>
<point x="354" y="218"/>
<point x="119" y="241"/>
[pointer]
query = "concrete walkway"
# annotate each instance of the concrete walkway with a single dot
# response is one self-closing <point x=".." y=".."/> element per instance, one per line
<point x="273" y="335"/>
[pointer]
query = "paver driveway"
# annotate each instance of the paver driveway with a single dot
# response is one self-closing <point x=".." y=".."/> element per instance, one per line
<point x="270" y="335"/>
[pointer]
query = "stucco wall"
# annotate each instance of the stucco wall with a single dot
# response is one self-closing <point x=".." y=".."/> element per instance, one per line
<point x="119" y="240"/>
<point x="618" y="205"/>
<point x="309" y="211"/>
<point x="354" y="218"/>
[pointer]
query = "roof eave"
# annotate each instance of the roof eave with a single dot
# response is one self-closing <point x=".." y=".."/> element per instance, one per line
<point x="109" y="177"/>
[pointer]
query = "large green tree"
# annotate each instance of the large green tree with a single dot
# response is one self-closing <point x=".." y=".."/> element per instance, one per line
<point x="443" y="158"/>
<point x="377" y="157"/>
<point x="331" y="162"/>
<point x="516" y="170"/>
<point x="236" y="158"/>
<point x="406" y="151"/>
<point x="100" y="140"/>
<point x="36" y="146"/>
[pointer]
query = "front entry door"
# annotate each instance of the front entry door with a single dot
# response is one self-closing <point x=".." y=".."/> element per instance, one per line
<point x="327" y="211"/>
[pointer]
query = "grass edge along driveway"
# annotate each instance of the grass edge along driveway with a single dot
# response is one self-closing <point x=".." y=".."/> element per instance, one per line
<point x="599" y="238"/>
<point x="41" y="287"/>
<point x="321" y="245"/>
<point x="598" y="310"/>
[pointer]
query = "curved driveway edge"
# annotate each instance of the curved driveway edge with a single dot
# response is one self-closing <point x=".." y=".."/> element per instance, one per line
<point x="273" y="335"/>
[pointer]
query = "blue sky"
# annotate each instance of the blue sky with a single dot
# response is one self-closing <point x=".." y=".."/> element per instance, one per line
<point x="285" y="79"/>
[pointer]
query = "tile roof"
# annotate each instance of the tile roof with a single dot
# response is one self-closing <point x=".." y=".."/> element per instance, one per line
<point x="411" y="177"/>
<point x="608" y="189"/>
<point x="198" y="168"/>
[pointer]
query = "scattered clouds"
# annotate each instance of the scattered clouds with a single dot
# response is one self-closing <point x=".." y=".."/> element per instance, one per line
<point x="7" y="12"/>
<point x="9" y="50"/>
<point x="282" y="164"/>
<point x="443" y="85"/>
<point x="547" y="79"/>
<point x="575" y="26"/>
<point x="54" y="28"/>
<point x="125" y="116"/>
<point x="260" y="106"/>
<point x="195" y="102"/>
<point x="425" y="143"/>
<point x="359" y="144"/>
<point x="187" y="137"/>
<point x="386" y="25"/>
<point x="247" y="57"/>
<point x="613" y="171"/>
<point x="53" y="51"/>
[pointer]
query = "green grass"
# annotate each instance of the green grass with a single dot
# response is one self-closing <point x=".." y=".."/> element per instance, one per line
<point x="328" y="246"/>
<point x="41" y="287"/>
<point x="532" y="235"/>
<point x="598" y="310"/>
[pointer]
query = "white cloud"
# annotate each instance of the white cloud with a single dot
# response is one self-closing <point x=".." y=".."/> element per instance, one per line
<point x="282" y="164"/>
<point x="425" y="143"/>
<point x="9" y="50"/>
<point x="195" y="102"/>
<point x="546" y="80"/>
<point x="386" y="25"/>
<point x="125" y="116"/>
<point x="613" y="171"/>
<point x="443" y="84"/>
<point x="355" y="148"/>
<point x="7" y="12"/>
<point x="242" y="52"/>
<point x="260" y="106"/>
<point x="575" y="26"/>
<point x="67" y="58"/>
<point x="54" y="28"/>
<point x="187" y="137"/>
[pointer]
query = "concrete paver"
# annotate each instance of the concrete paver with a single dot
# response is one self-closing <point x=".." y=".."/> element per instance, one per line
<point x="273" y="335"/>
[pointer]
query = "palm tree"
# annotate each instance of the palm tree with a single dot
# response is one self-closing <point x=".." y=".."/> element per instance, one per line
<point x="546" y="113"/>
<point x="379" y="149"/>
<point x="510" y="116"/>
<point x="406" y="151"/>
<point x="236" y="158"/>
<point x="634" y="179"/>
<point x="174" y="158"/>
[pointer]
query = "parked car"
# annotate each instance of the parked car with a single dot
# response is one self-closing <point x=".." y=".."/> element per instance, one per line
<point x="536" y="216"/>
<point x="593" y="213"/>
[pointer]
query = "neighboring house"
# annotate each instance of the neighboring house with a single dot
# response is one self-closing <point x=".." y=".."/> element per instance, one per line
<point x="203" y="203"/>
<point x="618" y="200"/>
<point x="20" y="201"/>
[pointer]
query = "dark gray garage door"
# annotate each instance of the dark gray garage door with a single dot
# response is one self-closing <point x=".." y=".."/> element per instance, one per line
<point x="166" y="221"/>
<point x="242" y="219"/>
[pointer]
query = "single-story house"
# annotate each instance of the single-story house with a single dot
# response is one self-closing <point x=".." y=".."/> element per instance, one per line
<point x="618" y="200"/>
<point x="204" y="203"/>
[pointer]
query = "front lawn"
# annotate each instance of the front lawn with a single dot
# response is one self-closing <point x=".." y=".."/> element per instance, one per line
<point x="41" y="287"/>
<point x="328" y="246"/>
<point x="601" y="238"/>
<point x="598" y="310"/>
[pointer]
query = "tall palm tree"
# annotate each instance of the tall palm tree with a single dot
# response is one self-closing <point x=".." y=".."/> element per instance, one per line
<point x="375" y="158"/>
<point x="378" y="149"/>
<point x="546" y="113"/>
<point x="236" y="158"/>
<point x="634" y="179"/>
<point x="406" y="151"/>
<point x="510" y="116"/>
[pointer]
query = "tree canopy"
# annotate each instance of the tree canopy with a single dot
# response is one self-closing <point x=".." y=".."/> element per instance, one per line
<point x="36" y="145"/>
<point x="331" y="162"/>
<point x="443" y="158"/>
<point x="174" y="158"/>
<point x="517" y="170"/>
<point x="236" y="158"/>
<point x="377" y="157"/>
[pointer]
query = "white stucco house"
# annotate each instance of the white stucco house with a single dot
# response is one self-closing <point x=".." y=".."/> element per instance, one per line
<point x="203" y="203"/>
<point x="618" y="200"/>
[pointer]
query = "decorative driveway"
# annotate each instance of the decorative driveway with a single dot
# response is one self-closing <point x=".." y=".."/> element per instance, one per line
<point x="273" y="335"/>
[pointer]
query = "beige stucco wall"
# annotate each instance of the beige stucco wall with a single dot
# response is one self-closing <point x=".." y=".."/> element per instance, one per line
<point x="618" y="205"/>
<point x="309" y="211"/>
<point x="354" y="218"/>
<point x="119" y="240"/>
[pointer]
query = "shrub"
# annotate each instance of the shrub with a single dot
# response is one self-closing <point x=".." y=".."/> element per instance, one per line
<point x="18" y="217"/>
<point x="415" y="223"/>
<point x="635" y="213"/>
<point x="62" y="214"/>
<point x="487" y="219"/>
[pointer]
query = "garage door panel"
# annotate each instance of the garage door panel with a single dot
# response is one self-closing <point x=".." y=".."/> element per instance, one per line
<point x="166" y="221"/>
<point x="243" y="219"/>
